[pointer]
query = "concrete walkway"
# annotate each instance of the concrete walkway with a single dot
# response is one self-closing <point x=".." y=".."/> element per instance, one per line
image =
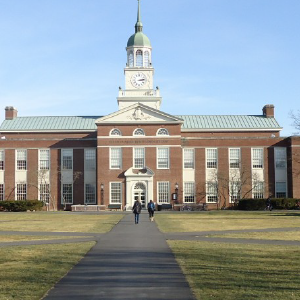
<point x="130" y="262"/>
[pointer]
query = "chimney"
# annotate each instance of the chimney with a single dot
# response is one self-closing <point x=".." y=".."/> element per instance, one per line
<point x="268" y="111"/>
<point x="10" y="113"/>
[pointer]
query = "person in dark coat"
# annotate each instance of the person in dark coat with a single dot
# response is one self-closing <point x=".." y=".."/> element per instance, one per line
<point x="136" y="209"/>
<point x="151" y="208"/>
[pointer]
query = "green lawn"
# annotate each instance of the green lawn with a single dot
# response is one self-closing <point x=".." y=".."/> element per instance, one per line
<point x="226" y="220"/>
<point x="17" y="238"/>
<point x="58" y="222"/>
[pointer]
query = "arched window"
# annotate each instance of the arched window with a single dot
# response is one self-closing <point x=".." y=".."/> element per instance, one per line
<point x="146" y="59"/>
<point x="139" y="131"/>
<point x="139" y="58"/>
<point x="115" y="132"/>
<point x="162" y="131"/>
<point x="130" y="59"/>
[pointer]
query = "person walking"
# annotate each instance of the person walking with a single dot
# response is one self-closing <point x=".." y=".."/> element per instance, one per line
<point x="136" y="209"/>
<point x="151" y="208"/>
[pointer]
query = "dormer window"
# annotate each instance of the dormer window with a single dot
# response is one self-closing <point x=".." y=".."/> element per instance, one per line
<point x="146" y="59"/>
<point x="116" y="132"/>
<point x="139" y="58"/>
<point x="130" y="59"/>
<point x="162" y="131"/>
<point x="139" y="132"/>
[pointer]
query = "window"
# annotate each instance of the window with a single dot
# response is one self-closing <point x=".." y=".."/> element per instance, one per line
<point x="212" y="192"/>
<point x="139" y="158"/>
<point x="44" y="159"/>
<point x="235" y="191"/>
<point x="45" y="192"/>
<point x="280" y="158"/>
<point x="189" y="158"/>
<point x="116" y="132"/>
<point x="139" y="131"/>
<point x="258" y="190"/>
<point x="211" y="158"/>
<point x="116" y="192"/>
<point x="139" y="58"/>
<point x="257" y="158"/>
<point x="21" y="191"/>
<point x="90" y="193"/>
<point x="163" y="158"/>
<point x="163" y="189"/>
<point x="189" y="192"/>
<point x="1" y="159"/>
<point x="67" y="193"/>
<point x="115" y="158"/>
<point x="162" y="131"/>
<point x="21" y="159"/>
<point x="67" y="159"/>
<point x="1" y="191"/>
<point x="146" y="59"/>
<point x="130" y="59"/>
<point x="280" y="189"/>
<point x="90" y="159"/>
<point x="234" y="158"/>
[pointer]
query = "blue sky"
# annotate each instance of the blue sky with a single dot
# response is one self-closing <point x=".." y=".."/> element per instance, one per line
<point x="66" y="57"/>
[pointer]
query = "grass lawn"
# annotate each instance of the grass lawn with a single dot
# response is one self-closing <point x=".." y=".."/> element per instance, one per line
<point x="58" y="222"/>
<point x="240" y="272"/>
<point x="226" y="220"/>
<point x="17" y="238"/>
<point x="28" y="272"/>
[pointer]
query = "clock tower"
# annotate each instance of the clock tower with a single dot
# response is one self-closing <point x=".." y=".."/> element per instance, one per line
<point x="139" y="71"/>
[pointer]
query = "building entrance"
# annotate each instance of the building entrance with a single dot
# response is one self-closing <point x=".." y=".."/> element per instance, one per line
<point x="139" y="193"/>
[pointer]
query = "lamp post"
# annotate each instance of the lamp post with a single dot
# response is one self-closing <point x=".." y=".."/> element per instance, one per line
<point x="102" y="193"/>
<point x="176" y="188"/>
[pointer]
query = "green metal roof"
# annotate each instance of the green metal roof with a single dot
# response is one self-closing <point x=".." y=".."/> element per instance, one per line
<point x="193" y="122"/>
<point x="230" y="122"/>
<point x="139" y="39"/>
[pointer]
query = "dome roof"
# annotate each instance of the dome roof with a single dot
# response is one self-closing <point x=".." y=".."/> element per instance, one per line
<point x="139" y="39"/>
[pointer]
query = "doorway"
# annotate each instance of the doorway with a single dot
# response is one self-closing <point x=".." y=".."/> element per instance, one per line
<point x="139" y="193"/>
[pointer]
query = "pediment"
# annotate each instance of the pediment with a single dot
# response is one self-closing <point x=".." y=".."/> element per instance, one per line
<point x="139" y="113"/>
<point x="146" y="172"/>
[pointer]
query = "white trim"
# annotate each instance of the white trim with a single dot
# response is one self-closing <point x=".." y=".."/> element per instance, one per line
<point x="120" y="158"/>
<point x="231" y="129"/>
<point x="157" y="192"/>
<point x="67" y="149"/>
<point x="135" y="136"/>
<point x="61" y="195"/>
<point x="194" y="158"/>
<point x="39" y="159"/>
<point x="234" y="148"/>
<point x="157" y="167"/>
<point x="262" y="158"/>
<point x="48" y="130"/>
<point x="217" y="158"/>
<point x="133" y="157"/>
<point x="121" y="192"/>
<point x="142" y="146"/>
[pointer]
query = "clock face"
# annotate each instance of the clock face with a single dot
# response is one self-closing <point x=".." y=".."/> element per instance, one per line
<point x="138" y="79"/>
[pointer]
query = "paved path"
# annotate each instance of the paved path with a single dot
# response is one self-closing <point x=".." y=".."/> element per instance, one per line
<point x="130" y="262"/>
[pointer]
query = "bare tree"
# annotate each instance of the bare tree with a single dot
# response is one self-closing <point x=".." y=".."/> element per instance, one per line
<point x="296" y="120"/>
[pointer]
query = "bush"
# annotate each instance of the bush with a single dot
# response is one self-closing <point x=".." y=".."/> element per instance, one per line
<point x="21" y="205"/>
<point x="260" y="204"/>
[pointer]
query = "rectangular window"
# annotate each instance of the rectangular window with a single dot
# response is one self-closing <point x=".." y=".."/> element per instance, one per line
<point x="280" y="158"/>
<point x="116" y="192"/>
<point x="280" y="189"/>
<point x="1" y="192"/>
<point x="90" y="159"/>
<point x="189" y="192"/>
<point x="90" y="193"/>
<point x="189" y="158"/>
<point x="45" y="192"/>
<point x="44" y="159"/>
<point x="1" y="159"/>
<point x="258" y="190"/>
<point x="67" y="193"/>
<point x="211" y="158"/>
<point x="163" y="189"/>
<point x="67" y="159"/>
<point x="139" y="158"/>
<point x="21" y="159"/>
<point x="257" y="158"/>
<point x="115" y="158"/>
<point x="21" y="191"/>
<point x="163" y="158"/>
<point x="235" y="191"/>
<point x="234" y="158"/>
<point x="212" y="192"/>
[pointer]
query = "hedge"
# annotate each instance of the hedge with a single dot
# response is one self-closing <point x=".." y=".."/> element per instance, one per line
<point x="20" y="205"/>
<point x="260" y="204"/>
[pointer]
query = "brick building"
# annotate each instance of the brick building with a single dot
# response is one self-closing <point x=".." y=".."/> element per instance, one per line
<point x="142" y="152"/>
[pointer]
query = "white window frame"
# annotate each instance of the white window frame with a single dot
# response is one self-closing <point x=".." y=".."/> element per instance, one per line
<point x="163" y="158"/>
<point x="135" y="150"/>
<point x="115" y="132"/>
<point x="189" y="192"/>
<point x="162" y="132"/>
<point x="139" y="58"/>
<point x="257" y="161"/>
<point x="2" y="191"/>
<point x="44" y="164"/>
<point x="235" y="191"/>
<point x="117" y="158"/>
<point x="280" y="158"/>
<point x="258" y="190"/>
<point x="21" y="164"/>
<point x="234" y="160"/>
<point x="63" y="156"/>
<point x="163" y="192"/>
<point x="189" y="158"/>
<point x="211" y="160"/>
<point x="2" y="160"/>
<point x="62" y="193"/>
<point x="90" y="160"/>
<point x="212" y="192"/>
<point x="44" y="192"/>
<point x="146" y="59"/>
<point x="138" y="132"/>
<point x="21" y="191"/>
<point x="131" y="59"/>
<point x="117" y="192"/>
<point x="279" y="190"/>
<point x="88" y="200"/>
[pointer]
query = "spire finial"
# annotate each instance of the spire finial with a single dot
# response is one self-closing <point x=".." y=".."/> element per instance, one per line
<point x="138" y="25"/>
